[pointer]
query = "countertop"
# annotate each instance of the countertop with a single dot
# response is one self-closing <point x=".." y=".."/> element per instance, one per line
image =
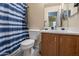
<point x="70" y="31"/>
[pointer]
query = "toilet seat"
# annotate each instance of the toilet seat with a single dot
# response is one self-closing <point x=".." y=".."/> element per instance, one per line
<point x="27" y="44"/>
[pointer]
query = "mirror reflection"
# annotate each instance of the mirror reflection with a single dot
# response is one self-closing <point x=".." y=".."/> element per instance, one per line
<point x="59" y="14"/>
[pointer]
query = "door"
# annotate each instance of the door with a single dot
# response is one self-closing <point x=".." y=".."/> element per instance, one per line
<point x="49" y="44"/>
<point x="67" y="45"/>
<point x="77" y="45"/>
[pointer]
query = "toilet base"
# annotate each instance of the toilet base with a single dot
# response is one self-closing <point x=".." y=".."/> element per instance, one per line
<point x="27" y="52"/>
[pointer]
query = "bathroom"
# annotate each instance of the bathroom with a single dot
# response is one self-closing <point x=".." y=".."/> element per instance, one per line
<point x="39" y="29"/>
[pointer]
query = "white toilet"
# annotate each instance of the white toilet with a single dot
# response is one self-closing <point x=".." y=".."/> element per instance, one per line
<point x="28" y="45"/>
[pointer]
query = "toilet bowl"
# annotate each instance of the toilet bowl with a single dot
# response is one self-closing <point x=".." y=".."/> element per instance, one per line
<point x="27" y="46"/>
<point x="30" y="46"/>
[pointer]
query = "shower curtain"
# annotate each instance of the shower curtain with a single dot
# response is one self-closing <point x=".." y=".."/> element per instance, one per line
<point x="13" y="26"/>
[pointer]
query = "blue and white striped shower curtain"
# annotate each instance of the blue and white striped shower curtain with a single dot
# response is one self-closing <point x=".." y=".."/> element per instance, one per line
<point x="13" y="26"/>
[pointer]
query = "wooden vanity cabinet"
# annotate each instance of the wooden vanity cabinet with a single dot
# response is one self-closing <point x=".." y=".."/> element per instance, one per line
<point x="49" y="44"/>
<point x="67" y="45"/>
<point x="59" y="45"/>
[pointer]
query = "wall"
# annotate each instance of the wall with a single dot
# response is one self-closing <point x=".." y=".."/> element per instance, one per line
<point x="36" y="15"/>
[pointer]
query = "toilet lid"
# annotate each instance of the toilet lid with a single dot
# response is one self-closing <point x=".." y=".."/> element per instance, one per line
<point x="27" y="42"/>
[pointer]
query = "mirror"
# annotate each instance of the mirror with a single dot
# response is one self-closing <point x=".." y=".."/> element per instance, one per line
<point x="51" y="11"/>
<point x="58" y="14"/>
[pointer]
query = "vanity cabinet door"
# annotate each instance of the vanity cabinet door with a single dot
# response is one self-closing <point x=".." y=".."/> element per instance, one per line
<point x="67" y="45"/>
<point x="49" y="44"/>
<point x="77" y="45"/>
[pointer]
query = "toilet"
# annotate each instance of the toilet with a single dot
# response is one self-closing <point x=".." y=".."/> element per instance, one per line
<point x="30" y="46"/>
<point x="26" y="47"/>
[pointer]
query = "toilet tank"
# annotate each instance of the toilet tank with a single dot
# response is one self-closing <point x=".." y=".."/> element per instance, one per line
<point x="34" y="33"/>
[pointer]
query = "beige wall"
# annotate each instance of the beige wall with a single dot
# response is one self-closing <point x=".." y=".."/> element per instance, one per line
<point x="36" y="15"/>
